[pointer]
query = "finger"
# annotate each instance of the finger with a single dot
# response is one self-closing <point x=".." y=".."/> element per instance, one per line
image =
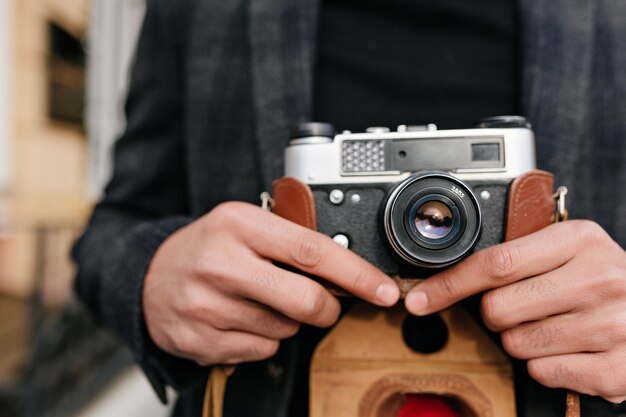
<point x="279" y="239"/>
<point x="532" y="299"/>
<point x="224" y="310"/>
<point x="263" y="321"/>
<point x="559" y="335"/>
<point x="295" y="296"/>
<point x="233" y="348"/>
<point x="236" y="314"/>
<point x="207" y="345"/>
<point x="574" y="286"/>
<point x="494" y="267"/>
<point x="587" y="373"/>
<point x="237" y="347"/>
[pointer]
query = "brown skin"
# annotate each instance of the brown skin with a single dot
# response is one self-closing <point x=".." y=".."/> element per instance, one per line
<point x="558" y="298"/>
<point x="213" y="295"/>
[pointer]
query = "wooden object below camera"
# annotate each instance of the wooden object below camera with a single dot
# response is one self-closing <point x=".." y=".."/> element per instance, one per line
<point x="363" y="367"/>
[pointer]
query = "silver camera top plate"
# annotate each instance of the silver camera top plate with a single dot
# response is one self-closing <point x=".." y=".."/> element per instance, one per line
<point x="387" y="157"/>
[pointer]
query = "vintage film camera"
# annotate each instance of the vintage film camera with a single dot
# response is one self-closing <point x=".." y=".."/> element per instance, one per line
<point x="415" y="199"/>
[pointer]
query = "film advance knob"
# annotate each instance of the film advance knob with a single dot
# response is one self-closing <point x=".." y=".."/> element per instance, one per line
<point x="312" y="132"/>
<point x="503" y="122"/>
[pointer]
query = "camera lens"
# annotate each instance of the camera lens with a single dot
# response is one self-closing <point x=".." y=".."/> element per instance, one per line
<point x="433" y="220"/>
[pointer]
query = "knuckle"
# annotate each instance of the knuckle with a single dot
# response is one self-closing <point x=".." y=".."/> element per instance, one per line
<point x="230" y="215"/>
<point x="217" y="269"/>
<point x="195" y="310"/>
<point x="203" y="265"/>
<point x="269" y="349"/>
<point x="312" y="304"/>
<point x="490" y="307"/>
<point x="614" y="280"/>
<point x="210" y="264"/>
<point x="290" y="329"/>
<point x="308" y="251"/>
<point x="186" y="344"/>
<point x="224" y="213"/>
<point x="589" y="230"/>
<point x="499" y="262"/>
<point x="512" y="343"/>
<point x="190" y="304"/>
<point x="255" y="351"/>
<point x="278" y="326"/>
<point x="537" y="371"/>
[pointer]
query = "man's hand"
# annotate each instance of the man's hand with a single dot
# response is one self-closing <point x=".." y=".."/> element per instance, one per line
<point x="558" y="297"/>
<point x="213" y="295"/>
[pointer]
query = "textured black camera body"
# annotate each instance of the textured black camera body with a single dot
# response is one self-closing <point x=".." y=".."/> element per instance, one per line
<point x="361" y="222"/>
<point x="416" y="199"/>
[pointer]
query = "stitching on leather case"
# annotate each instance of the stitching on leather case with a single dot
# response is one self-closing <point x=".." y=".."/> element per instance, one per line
<point x="535" y="175"/>
<point x="303" y="195"/>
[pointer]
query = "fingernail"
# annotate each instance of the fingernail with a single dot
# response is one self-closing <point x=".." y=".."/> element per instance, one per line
<point x="387" y="294"/>
<point x="416" y="302"/>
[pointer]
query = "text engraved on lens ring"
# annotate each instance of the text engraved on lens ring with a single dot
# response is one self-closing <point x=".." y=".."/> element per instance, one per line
<point x="458" y="192"/>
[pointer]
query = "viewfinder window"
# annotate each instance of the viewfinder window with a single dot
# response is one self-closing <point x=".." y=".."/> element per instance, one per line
<point x="485" y="152"/>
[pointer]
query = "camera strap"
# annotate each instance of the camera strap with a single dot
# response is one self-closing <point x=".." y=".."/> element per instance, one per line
<point x="213" y="403"/>
<point x="572" y="402"/>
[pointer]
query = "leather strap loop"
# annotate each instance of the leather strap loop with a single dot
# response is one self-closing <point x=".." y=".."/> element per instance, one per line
<point x="530" y="204"/>
<point x="214" y="393"/>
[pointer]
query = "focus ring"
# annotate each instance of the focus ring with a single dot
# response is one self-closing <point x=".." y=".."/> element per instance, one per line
<point x="423" y="252"/>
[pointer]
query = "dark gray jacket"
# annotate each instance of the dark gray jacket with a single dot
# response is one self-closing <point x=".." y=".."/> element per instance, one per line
<point x="215" y="88"/>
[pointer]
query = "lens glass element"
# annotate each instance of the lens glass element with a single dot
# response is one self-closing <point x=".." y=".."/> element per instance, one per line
<point x="433" y="220"/>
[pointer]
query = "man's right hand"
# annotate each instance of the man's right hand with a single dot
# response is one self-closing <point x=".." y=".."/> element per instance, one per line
<point x="213" y="295"/>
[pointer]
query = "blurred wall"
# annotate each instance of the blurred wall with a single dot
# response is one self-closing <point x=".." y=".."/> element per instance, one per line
<point x="43" y="158"/>
<point x="64" y="68"/>
<point x="6" y="115"/>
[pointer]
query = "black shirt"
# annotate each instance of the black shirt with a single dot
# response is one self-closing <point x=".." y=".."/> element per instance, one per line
<point x="385" y="63"/>
<point x="392" y="62"/>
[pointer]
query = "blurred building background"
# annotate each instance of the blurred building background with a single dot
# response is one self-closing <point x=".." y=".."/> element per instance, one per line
<point x="63" y="75"/>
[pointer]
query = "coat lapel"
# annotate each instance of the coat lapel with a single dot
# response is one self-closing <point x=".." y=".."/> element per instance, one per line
<point x="282" y="41"/>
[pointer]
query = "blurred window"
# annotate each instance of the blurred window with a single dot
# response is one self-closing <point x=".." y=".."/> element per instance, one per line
<point x="66" y="77"/>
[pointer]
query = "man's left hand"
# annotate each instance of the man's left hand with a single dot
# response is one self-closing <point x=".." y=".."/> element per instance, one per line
<point x="558" y="298"/>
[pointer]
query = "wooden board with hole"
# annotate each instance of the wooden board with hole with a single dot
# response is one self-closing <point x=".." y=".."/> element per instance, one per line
<point x="363" y="368"/>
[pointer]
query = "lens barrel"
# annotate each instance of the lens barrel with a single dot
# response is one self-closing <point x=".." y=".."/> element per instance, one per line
<point x="431" y="220"/>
